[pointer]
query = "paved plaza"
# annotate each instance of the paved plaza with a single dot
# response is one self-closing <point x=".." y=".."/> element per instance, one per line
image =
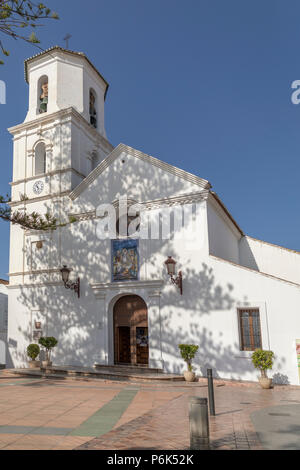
<point x="39" y="413"/>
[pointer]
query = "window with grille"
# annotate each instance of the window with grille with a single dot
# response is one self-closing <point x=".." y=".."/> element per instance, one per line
<point x="250" y="329"/>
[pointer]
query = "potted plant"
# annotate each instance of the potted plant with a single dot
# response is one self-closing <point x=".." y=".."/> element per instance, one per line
<point x="33" y="350"/>
<point x="48" y="342"/>
<point x="188" y="352"/>
<point x="263" y="360"/>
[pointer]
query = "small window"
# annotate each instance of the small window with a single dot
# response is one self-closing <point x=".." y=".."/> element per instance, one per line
<point x="250" y="329"/>
<point x="43" y="95"/>
<point x="94" y="160"/>
<point x="93" y="112"/>
<point x="40" y="159"/>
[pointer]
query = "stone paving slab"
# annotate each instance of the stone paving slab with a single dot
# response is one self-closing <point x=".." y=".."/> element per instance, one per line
<point x="107" y="416"/>
<point x="168" y="427"/>
<point x="45" y="414"/>
<point x="40" y="430"/>
<point x="278" y="426"/>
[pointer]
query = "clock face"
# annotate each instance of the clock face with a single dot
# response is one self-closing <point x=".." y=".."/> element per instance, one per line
<point x="38" y="187"/>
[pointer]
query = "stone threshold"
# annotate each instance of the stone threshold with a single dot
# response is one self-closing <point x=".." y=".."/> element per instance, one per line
<point x="69" y="372"/>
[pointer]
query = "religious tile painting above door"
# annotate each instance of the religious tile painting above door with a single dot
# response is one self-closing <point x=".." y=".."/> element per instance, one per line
<point x="125" y="260"/>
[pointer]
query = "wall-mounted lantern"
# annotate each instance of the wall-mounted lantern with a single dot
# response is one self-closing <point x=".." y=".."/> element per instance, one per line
<point x="65" y="273"/>
<point x="170" y="263"/>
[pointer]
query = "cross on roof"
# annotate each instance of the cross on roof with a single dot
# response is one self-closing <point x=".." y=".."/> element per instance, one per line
<point x="68" y="36"/>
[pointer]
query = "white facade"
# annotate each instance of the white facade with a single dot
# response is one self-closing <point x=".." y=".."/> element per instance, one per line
<point x="3" y="322"/>
<point x="223" y="270"/>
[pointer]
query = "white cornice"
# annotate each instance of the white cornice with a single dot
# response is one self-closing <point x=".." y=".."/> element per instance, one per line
<point x="35" y="285"/>
<point x="101" y="289"/>
<point x="50" y="173"/>
<point x="37" y="199"/>
<point x="69" y="114"/>
<point x="150" y="205"/>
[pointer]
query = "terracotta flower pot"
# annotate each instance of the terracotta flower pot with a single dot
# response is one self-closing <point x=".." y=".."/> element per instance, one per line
<point x="265" y="382"/>
<point x="189" y="376"/>
<point x="34" y="364"/>
<point x="46" y="364"/>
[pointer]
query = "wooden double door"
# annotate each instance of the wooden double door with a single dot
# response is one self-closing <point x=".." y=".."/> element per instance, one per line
<point x="131" y="331"/>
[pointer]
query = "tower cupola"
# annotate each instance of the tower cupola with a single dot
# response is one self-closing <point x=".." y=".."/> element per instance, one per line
<point x="60" y="79"/>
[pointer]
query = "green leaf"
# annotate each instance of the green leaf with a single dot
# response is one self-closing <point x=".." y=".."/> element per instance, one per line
<point x="32" y="38"/>
<point x="262" y="359"/>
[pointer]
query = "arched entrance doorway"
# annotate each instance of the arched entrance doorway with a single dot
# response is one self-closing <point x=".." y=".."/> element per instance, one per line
<point x="131" y="331"/>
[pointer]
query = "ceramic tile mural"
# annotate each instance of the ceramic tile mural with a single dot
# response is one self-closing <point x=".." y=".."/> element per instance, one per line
<point x="125" y="264"/>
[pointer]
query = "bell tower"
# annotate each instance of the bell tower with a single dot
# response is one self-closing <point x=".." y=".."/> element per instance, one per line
<point x="59" y="79"/>
<point x="61" y="140"/>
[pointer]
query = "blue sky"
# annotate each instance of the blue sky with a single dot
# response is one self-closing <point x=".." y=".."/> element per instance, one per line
<point x="202" y="84"/>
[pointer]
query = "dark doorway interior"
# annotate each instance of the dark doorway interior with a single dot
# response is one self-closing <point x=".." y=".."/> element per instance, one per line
<point x="124" y="344"/>
<point x="131" y="331"/>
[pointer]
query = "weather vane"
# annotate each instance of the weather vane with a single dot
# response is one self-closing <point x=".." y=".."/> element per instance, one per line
<point x="68" y="36"/>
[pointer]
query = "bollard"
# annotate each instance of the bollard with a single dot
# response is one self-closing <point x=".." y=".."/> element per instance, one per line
<point x="199" y="429"/>
<point x="211" y="396"/>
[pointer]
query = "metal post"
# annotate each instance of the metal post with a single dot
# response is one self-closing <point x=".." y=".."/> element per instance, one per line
<point x="211" y="395"/>
<point x="199" y="429"/>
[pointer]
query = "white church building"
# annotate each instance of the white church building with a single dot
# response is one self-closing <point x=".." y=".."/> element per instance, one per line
<point x="121" y="306"/>
<point x="3" y="321"/>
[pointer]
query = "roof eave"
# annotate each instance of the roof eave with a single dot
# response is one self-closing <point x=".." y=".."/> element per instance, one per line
<point x="222" y="205"/>
<point x="61" y="49"/>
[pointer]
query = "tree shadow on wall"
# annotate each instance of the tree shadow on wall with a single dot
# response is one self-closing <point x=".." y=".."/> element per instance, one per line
<point x="75" y="322"/>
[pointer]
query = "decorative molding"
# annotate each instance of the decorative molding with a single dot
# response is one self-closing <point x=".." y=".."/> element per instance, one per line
<point x="35" y="272"/>
<point x="177" y="200"/>
<point x="150" y="205"/>
<point x="142" y="156"/>
<point x="100" y="289"/>
<point x="64" y="114"/>
<point x="44" y="175"/>
<point x="84" y="215"/>
<point x="40" y="284"/>
<point x="37" y="199"/>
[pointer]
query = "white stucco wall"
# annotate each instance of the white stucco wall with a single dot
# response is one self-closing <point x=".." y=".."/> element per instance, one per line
<point x="206" y="314"/>
<point x="3" y="322"/>
<point x="223" y="236"/>
<point x="270" y="259"/>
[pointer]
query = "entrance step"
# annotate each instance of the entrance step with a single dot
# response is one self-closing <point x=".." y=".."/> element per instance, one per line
<point x="128" y="368"/>
<point x="104" y="372"/>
